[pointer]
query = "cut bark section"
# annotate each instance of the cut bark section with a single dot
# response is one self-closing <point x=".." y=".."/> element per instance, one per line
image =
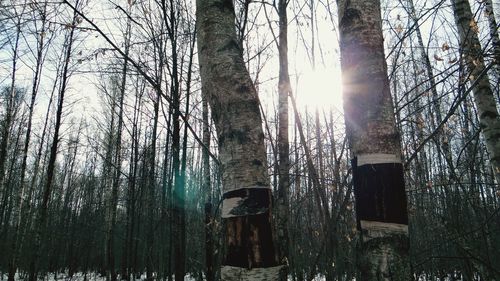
<point x="380" y="191"/>
<point x="246" y="201"/>
<point x="249" y="242"/>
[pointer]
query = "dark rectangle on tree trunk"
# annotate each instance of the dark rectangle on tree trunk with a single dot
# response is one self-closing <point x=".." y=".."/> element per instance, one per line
<point x="249" y="240"/>
<point x="379" y="191"/>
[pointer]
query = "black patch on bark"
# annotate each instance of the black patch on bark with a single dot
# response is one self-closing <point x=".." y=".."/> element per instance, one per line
<point x="243" y="89"/>
<point x="380" y="195"/>
<point x="496" y="158"/>
<point x="489" y="114"/>
<point x="240" y="252"/>
<point x="256" y="162"/>
<point x="496" y="135"/>
<point x="255" y="200"/>
<point x="240" y="135"/>
<point x="228" y="4"/>
<point x="208" y="208"/>
<point x="231" y="45"/>
<point x="224" y="5"/>
<point x="350" y="15"/>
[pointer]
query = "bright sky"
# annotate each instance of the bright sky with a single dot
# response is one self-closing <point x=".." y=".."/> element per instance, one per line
<point x="320" y="88"/>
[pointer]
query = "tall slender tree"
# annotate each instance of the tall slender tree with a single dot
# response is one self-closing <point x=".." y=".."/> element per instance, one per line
<point x="170" y="13"/>
<point x="118" y="105"/>
<point x="284" y="87"/>
<point x="494" y="37"/>
<point x="207" y="191"/>
<point x="472" y="54"/>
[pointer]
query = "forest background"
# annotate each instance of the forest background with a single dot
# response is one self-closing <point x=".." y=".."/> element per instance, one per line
<point x="93" y="155"/>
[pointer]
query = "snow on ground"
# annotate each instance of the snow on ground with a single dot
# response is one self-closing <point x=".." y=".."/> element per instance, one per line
<point x="80" y="276"/>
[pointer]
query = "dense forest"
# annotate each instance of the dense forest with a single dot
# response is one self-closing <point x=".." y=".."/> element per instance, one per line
<point x="143" y="137"/>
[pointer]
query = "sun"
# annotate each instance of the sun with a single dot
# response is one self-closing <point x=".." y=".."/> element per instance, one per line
<point x="320" y="89"/>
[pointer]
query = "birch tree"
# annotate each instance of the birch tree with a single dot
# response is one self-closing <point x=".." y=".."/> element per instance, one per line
<point x="470" y="47"/>
<point x="495" y="39"/>
<point x="374" y="141"/>
<point x="234" y="103"/>
<point x="284" y="88"/>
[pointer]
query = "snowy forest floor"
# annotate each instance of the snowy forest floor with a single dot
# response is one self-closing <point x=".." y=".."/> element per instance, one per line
<point x="80" y="276"/>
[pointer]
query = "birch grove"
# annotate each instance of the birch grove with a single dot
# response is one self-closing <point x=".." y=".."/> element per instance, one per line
<point x="249" y="140"/>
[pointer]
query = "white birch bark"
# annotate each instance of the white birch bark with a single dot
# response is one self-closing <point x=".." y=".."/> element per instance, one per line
<point x="233" y="99"/>
<point x="470" y="47"/>
<point x="374" y="140"/>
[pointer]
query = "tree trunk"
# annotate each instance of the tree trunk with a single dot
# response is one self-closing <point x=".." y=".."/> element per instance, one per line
<point x="170" y="16"/>
<point x="207" y="190"/>
<point x="284" y="88"/>
<point x="226" y="84"/>
<point x="495" y="40"/>
<point x="371" y="129"/>
<point x="181" y="185"/>
<point x="179" y="181"/>
<point x="106" y="179"/>
<point x="470" y="47"/>
<point x="165" y="257"/>
<point x="117" y="163"/>
<point x="151" y="196"/>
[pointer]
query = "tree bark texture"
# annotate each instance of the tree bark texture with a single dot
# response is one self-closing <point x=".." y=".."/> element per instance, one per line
<point x="233" y="99"/>
<point x="371" y="129"/>
<point x="495" y="40"/>
<point x="470" y="47"/>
